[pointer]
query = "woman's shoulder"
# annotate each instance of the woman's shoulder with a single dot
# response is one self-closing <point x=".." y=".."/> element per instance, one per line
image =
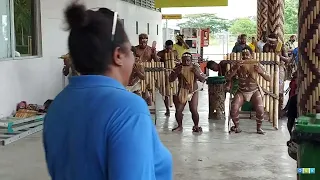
<point x="131" y="102"/>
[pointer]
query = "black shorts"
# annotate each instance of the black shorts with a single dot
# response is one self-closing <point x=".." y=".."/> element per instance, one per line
<point x="293" y="107"/>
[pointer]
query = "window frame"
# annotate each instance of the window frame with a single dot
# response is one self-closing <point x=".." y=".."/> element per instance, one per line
<point x="37" y="27"/>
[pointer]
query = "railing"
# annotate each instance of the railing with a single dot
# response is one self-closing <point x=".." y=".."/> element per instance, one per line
<point x="222" y="43"/>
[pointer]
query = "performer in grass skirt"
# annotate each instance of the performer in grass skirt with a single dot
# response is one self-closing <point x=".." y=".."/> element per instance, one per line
<point x="187" y="74"/>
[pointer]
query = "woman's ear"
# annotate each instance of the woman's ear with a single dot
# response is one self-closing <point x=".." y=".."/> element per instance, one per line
<point x="117" y="57"/>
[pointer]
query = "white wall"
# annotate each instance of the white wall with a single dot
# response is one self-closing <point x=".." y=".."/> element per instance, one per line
<point x="38" y="79"/>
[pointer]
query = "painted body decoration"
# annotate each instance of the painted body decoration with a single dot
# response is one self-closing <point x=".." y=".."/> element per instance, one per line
<point x="249" y="90"/>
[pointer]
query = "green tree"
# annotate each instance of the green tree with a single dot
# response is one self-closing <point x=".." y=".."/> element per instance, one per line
<point x="22" y="24"/>
<point x="291" y="16"/>
<point x="243" y="25"/>
<point x="211" y="21"/>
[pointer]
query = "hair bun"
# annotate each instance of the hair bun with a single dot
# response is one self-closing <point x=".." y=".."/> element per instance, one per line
<point x="76" y="15"/>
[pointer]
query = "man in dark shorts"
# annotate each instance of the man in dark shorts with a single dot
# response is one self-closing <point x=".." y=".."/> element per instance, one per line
<point x="241" y="45"/>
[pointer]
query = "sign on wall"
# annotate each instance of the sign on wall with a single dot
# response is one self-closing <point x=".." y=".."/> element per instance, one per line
<point x="171" y="16"/>
<point x="189" y="3"/>
<point x="205" y="34"/>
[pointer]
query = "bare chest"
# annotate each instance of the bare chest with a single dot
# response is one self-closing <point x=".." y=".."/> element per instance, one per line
<point x="144" y="54"/>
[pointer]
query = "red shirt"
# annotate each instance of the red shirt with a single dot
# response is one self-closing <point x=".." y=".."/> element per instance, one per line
<point x="293" y="87"/>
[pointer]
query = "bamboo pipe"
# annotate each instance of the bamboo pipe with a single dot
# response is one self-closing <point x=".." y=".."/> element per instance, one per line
<point x="276" y="91"/>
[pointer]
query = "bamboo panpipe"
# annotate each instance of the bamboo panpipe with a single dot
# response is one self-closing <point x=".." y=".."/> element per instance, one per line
<point x="271" y="63"/>
<point x="170" y="88"/>
<point x="185" y="91"/>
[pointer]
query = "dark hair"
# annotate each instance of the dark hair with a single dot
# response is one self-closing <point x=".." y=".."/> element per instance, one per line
<point x="91" y="43"/>
<point x="169" y="43"/>
<point x="273" y="36"/>
<point x="211" y="63"/>
<point x="253" y="37"/>
<point x="243" y="35"/>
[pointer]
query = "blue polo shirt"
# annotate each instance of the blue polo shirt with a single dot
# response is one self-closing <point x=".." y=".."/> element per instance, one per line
<point x="96" y="130"/>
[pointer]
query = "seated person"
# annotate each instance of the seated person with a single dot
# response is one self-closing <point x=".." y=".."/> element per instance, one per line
<point x="249" y="90"/>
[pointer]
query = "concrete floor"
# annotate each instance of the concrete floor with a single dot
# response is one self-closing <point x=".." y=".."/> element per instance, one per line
<point x="212" y="155"/>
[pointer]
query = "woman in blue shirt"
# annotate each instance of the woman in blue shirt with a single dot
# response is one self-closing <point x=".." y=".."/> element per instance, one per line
<point x="95" y="129"/>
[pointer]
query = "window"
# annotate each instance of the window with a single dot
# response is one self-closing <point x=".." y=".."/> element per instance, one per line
<point x="148" y="28"/>
<point x="157" y="29"/>
<point x="20" y="26"/>
<point x="149" y="4"/>
<point x="5" y="37"/>
<point x="137" y="27"/>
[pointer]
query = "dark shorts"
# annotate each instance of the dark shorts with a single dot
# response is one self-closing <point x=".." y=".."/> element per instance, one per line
<point x="293" y="107"/>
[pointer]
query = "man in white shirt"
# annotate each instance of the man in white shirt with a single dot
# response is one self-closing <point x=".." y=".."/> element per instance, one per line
<point x="262" y="42"/>
<point x="290" y="44"/>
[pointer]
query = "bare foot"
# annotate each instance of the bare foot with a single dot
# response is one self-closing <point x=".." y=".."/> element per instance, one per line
<point x="196" y="129"/>
<point x="177" y="129"/>
<point x="260" y="131"/>
<point x="235" y="129"/>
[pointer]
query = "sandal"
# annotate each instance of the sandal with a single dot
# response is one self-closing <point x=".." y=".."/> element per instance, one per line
<point x="196" y="129"/>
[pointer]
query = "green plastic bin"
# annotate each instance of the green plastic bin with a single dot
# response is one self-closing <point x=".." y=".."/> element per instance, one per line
<point x="216" y="99"/>
<point x="307" y="136"/>
<point x="216" y="80"/>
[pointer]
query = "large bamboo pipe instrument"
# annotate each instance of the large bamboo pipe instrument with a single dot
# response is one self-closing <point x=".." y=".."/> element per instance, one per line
<point x="267" y="68"/>
<point x="170" y="87"/>
<point x="166" y="85"/>
<point x="276" y="90"/>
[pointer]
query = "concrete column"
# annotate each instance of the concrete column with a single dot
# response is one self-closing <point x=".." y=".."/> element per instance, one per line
<point x="276" y="17"/>
<point x="262" y="17"/>
<point x="309" y="56"/>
